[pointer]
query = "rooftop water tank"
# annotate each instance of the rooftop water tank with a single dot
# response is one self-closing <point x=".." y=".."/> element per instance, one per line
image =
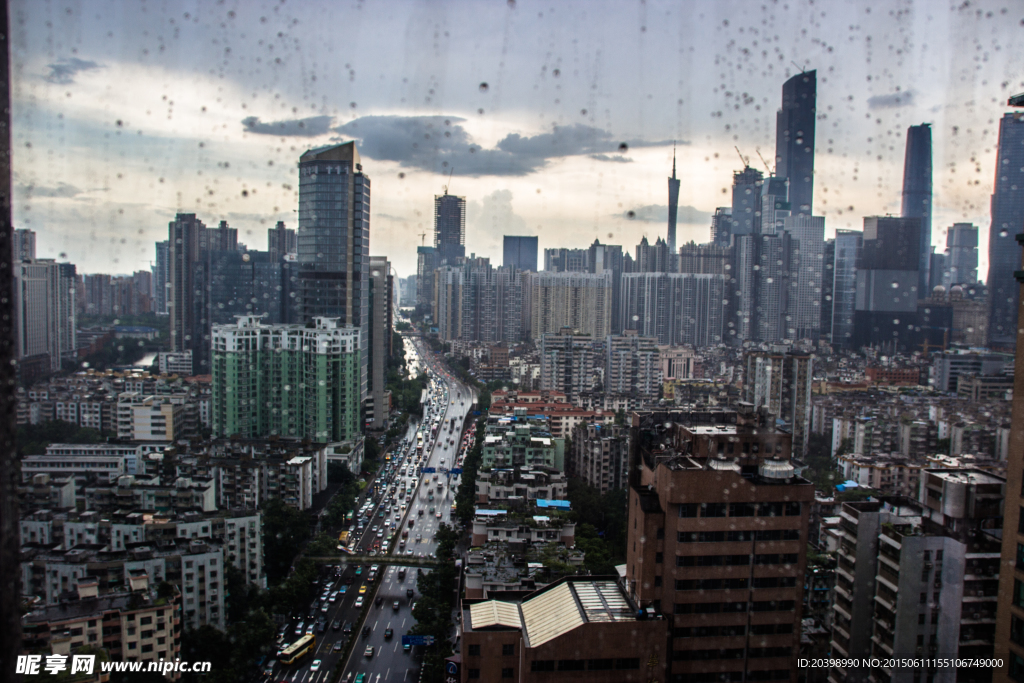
<point x="776" y="470"/>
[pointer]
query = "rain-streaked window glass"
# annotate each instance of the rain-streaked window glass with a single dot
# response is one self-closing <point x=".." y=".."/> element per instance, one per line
<point x="487" y="340"/>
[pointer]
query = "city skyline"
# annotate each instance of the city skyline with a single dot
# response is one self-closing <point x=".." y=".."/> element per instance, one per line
<point x="232" y="132"/>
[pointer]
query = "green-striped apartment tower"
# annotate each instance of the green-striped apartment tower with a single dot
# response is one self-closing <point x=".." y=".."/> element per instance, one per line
<point x="297" y="381"/>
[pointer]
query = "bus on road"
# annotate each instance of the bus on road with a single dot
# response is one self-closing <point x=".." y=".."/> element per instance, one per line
<point x="300" y="648"/>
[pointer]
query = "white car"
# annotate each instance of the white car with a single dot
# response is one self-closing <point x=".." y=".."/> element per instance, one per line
<point x="315" y="666"/>
<point x="359" y="602"/>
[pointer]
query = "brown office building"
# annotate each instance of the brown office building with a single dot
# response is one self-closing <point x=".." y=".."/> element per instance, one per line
<point x="580" y="628"/>
<point x="1010" y="616"/>
<point x="717" y="542"/>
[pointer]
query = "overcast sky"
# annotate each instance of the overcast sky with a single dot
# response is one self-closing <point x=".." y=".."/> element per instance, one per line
<point x="557" y="119"/>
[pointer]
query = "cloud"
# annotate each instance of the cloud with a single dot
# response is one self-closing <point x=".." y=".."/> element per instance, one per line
<point x="441" y="144"/>
<point x="658" y="213"/>
<point x="62" y="72"/>
<point x="60" y="191"/>
<point x="617" y="158"/>
<point x="494" y="216"/>
<point x="896" y="99"/>
<point x="308" y="127"/>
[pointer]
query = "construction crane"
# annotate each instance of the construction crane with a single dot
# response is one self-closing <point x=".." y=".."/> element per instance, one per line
<point x="423" y="239"/>
<point x="745" y="164"/>
<point x="768" y="167"/>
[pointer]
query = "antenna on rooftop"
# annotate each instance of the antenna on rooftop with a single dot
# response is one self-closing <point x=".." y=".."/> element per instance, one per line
<point x="449" y="180"/>
<point x="798" y="66"/>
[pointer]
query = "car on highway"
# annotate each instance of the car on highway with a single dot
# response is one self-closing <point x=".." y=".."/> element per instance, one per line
<point x="406" y="647"/>
<point x="334" y="596"/>
<point x="337" y="646"/>
<point x="347" y="628"/>
<point x="362" y="589"/>
<point x="395" y="605"/>
<point x="315" y="666"/>
<point x="359" y="602"/>
<point x="380" y="601"/>
<point x="388" y="632"/>
<point x="300" y="629"/>
<point x="409" y="593"/>
<point x="336" y="625"/>
<point x="368" y="652"/>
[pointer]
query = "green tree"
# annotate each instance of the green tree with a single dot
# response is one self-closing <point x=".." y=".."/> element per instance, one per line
<point x="33" y="439"/>
<point x="285" y="529"/>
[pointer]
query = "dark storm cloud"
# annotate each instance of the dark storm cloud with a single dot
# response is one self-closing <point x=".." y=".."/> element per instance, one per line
<point x="440" y="144"/>
<point x="616" y="158"/>
<point x="307" y="128"/>
<point x="896" y="99"/>
<point x="658" y="213"/>
<point x="60" y="190"/>
<point x="62" y="72"/>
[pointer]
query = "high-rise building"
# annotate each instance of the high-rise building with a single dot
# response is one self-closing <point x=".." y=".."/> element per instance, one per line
<point x="286" y="380"/>
<point x="426" y="263"/>
<point x="673" y="206"/>
<point x="97" y="294"/>
<point x="844" y="285"/>
<point x="447" y="301"/>
<point x="721" y="225"/>
<point x="794" y="139"/>
<point x="654" y="258"/>
<point x="520" y="252"/>
<point x="919" y="576"/>
<point x="561" y="260"/>
<point x="887" y="279"/>
<point x="281" y="241"/>
<point x="803" y="318"/>
<point x="185" y="301"/>
<point x="478" y="302"/>
<point x="23" y="245"/>
<point x="571" y="363"/>
<point x="578" y="300"/>
<point x="161" y="278"/>
<point x="781" y="382"/>
<point x="1009" y="638"/>
<point x="773" y="205"/>
<point x="607" y="258"/>
<point x="1007" y="221"/>
<point x="718" y="524"/>
<point x="381" y="326"/>
<point x="600" y="455"/>
<point x="632" y="369"/>
<point x="674" y="308"/>
<point x="741" y="289"/>
<point x="242" y="283"/>
<point x="774" y="274"/>
<point x="333" y="241"/>
<point x="705" y="259"/>
<point x="746" y="201"/>
<point x="961" y="255"/>
<point x="827" y="288"/>
<point x="45" y="310"/>
<point x="449" y="227"/>
<point x="917" y="195"/>
<point x="508" y="299"/>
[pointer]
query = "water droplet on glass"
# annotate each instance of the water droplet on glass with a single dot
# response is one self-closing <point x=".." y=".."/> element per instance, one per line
<point x="483" y="87"/>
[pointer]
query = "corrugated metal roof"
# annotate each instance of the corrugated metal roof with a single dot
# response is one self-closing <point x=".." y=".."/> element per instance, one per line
<point x="494" y="613"/>
<point x="550" y="615"/>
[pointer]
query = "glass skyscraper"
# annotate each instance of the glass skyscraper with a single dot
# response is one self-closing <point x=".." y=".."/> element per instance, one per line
<point x="794" y="140"/>
<point x="334" y="241"/>
<point x="844" y="285"/>
<point x="449" y="227"/>
<point x="1007" y="222"/>
<point x="520" y="252"/>
<point x="917" y="196"/>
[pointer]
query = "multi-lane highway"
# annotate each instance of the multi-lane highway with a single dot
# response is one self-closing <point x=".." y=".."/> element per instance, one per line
<point x="402" y="517"/>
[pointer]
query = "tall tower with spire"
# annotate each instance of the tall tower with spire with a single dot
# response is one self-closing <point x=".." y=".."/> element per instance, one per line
<point x="673" y="205"/>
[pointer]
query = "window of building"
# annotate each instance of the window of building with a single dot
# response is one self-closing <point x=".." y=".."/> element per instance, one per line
<point x="473" y="674"/>
<point x="571" y="665"/>
<point x="712" y="509"/>
<point x="474" y="650"/>
<point x="542" y="665"/>
<point x="508" y="650"/>
<point x="688" y="510"/>
<point x="659" y="558"/>
<point x="508" y="672"/>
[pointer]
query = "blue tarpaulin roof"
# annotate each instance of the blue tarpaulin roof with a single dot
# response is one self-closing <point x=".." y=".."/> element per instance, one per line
<point x="544" y="503"/>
